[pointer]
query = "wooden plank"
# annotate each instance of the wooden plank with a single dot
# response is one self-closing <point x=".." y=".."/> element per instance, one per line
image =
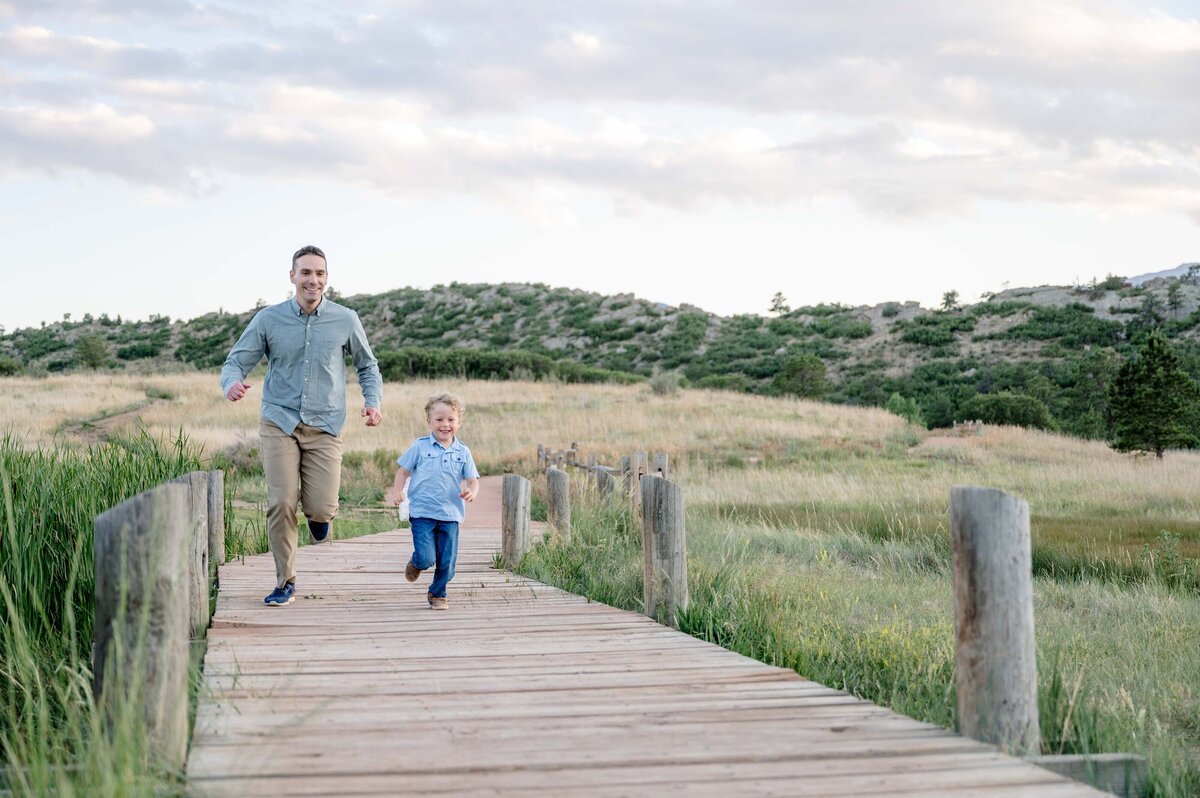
<point x="520" y="689"/>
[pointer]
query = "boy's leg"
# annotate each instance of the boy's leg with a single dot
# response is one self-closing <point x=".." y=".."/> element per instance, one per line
<point x="320" y="472"/>
<point x="281" y="466"/>
<point x="446" y="542"/>
<point x="424" y="553"/>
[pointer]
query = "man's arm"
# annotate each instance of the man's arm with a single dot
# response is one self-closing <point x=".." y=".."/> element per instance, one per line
<point x="244" y="356"/>
<point x="369" y="378"/>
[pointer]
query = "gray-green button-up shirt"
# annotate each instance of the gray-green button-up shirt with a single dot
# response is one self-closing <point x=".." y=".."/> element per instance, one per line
<point x="306" y="376"/>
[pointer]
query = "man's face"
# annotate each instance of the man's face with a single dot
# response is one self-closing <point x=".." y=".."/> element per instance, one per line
<point x="309" y="277"/>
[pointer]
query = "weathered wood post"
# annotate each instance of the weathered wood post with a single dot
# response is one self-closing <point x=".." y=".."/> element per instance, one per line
<point x="197" y="575"/>
<point x="625" y="472"/>
<point x="541" y="457"/>
<point x="664" y="548"/>
<point x="141" y="615"/>
<point x="606" y="483"/>
<point x="661" y="466"/>
<point x="995" y="661"/>
<point x="558" y="505"/>
<point x="638" y="467"/>
<point x="515" y="521"/>
<point x="216" y="520"/>
<point x="593" y="479"/>
<point x="572" y="454"/>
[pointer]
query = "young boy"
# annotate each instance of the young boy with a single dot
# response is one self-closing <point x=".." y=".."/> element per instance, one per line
<point x="440" y="475"/>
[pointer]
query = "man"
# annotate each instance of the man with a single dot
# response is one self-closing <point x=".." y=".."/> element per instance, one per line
<point x="303" y="405"/>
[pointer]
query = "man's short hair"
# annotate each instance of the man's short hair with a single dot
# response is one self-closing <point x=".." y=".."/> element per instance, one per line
<point x="309" y="250"/>
<point x="449" y="400"/>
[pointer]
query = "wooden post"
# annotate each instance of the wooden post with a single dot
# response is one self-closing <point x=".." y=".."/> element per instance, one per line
<point x="541" y="457"/>
<point x="606" y="483"/>
<point x="995" y="661"/>
<point x="625" y="474"/>
<point x="572" y="454"/>
<point x="216" y="520"/>
<point x="198" y="604"/>
<point x="664" y="549"/>
<point x="515" y="523"/>
<point x="558" y="491"/>
<point x="593" y="479"/>
<point x="141" y="621"/>
<point x="661" y="466"/>
<point x="637" y="469"/>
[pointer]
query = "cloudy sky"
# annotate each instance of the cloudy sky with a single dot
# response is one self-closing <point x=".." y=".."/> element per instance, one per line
<point x="167" y="156"/>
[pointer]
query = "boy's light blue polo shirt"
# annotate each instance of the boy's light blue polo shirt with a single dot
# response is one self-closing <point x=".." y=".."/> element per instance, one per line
<point x="435" y="473"/>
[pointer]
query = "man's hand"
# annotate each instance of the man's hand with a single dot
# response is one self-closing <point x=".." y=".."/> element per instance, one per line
<point x="237" y="391"/>
<point x="373" y="416"/>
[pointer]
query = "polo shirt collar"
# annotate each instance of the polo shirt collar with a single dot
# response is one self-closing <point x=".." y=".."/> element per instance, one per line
<point x="455" y="444"/>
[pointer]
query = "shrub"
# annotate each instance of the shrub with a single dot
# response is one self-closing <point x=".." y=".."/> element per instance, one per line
<point x="9" y="366"/>
<point x="802" y="375"/>
<point x="1012" y="409"/>
<point x="907" y="409"/>
<point x="666" y="383"/>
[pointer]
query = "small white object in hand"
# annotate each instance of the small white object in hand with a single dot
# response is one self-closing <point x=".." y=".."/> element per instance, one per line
<point x="402" y="510"/>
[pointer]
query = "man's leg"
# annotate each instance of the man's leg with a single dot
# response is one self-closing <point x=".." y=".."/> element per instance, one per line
<point x="281" y="466"/>
<point x="446" y="542"/>
<point x="320" y="476"/>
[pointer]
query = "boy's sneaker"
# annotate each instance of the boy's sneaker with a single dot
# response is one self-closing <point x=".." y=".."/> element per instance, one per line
<point x="319" y="529"/>
<point x="411" y="572"/>
<point x="281" y="595"/>
<point x="438" y="602"/>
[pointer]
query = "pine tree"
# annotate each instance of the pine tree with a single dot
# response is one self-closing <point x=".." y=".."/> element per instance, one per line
<point x="1150" y="400"/>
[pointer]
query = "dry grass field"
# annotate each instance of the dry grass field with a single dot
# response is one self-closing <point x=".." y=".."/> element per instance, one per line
<point x="825" y="525"/>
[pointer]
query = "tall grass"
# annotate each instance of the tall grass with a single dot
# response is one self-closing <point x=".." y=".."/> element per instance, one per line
<point x="874" y="617"/>
<point x="52" y="738"/>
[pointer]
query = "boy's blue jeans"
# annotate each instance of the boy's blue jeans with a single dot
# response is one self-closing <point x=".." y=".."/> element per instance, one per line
<point x="435" y="543"/>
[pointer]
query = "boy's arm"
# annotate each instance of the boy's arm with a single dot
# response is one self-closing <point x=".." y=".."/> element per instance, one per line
<point x="470" y="489"/>
<point x="395" y="494"/>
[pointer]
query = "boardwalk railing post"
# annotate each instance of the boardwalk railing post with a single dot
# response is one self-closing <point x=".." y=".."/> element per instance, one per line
<point x="541" y="457"/>
<point x="995" y="661"/>
<point x="606" y="483"/>
<point x="664" y="549"/>
<point x="197" y="574"/>
<point x="141" y="614"/>
<point x="216" y="520"/>
<point x="558" y="505"/>
<point x="661" y="466"/>
<point x="638" y="467"/>
<point x="515" y="521"/>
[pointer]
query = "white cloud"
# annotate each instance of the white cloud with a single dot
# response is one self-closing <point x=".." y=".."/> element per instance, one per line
<point x="903" y="110"/>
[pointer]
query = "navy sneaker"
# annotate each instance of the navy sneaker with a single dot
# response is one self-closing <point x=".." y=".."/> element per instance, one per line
<point x="281" y="595"/>
<point x="319" y="529"/>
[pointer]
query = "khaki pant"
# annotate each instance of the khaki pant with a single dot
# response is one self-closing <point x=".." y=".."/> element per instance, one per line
<point x="305" y="466"/>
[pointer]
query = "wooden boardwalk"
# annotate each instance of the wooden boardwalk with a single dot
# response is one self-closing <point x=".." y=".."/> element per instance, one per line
<point x="358" y="688"/>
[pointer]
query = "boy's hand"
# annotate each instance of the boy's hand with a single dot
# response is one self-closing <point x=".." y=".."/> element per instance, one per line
<point x="469" y="493"/>
<point x="392" y="496"/>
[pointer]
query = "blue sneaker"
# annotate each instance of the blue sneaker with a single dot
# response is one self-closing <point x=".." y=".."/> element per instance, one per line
<point x="281" y="595"/>
<point x="319" y="529"/>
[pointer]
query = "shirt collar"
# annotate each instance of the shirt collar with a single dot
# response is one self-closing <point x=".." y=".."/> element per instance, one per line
<point x="299" y="311"/>
<point x="455" y="444"/>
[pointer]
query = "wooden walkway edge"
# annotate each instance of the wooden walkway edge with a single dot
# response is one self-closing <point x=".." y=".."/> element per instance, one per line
<point x="358" y="688"/>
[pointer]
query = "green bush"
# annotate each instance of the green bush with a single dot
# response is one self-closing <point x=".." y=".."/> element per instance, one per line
<point x="1008" y="408"/>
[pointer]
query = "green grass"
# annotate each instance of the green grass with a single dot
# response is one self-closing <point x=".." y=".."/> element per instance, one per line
<point x="53" y="740"/>
<point x="872" y="614"/>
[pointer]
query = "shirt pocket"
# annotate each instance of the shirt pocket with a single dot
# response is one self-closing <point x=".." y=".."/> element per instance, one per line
<point x="453" y="464"/>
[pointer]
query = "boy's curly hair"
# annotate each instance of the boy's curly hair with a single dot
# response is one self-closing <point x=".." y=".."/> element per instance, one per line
<point x="450" y="400"/>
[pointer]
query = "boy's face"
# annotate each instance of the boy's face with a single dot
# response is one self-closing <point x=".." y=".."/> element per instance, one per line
<point x="444" y="422"/>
